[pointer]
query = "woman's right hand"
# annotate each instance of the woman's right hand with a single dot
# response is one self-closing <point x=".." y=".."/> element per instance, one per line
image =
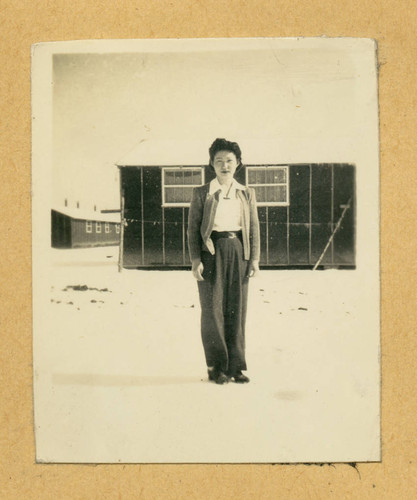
<point x="197" y="270"/>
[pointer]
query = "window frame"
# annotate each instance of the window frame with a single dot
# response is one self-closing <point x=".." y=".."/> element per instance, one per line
<point x="98" y="227"/>
<point x="89" y="226"/>
<point x="117" y="228"/>
<point x="107" y="227"/>
<point x="163" y="185"/>
<point x="286" y="168"/>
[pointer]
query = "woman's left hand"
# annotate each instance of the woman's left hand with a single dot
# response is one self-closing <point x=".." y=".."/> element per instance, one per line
<point x="253" y="269"/>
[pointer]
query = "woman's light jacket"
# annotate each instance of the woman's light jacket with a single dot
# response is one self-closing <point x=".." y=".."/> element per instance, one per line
<point x="201" y="218"/>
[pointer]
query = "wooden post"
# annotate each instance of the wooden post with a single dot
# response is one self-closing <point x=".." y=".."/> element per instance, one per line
<point x="310" y="215"/>
<point x="122" y="222"/>
<point x="333" y="233"/>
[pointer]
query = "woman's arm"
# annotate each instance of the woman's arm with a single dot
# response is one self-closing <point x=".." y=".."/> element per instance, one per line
<point x="197" y="269"/>
<point x="254" y="235"/>
<point x="195" y="216"/>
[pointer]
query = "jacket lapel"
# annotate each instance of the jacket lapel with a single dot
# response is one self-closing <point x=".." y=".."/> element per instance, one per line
<point x="244" y="210"/>
<point x="210" y="207"/>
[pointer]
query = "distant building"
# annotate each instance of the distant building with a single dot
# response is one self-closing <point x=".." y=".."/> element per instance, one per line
<point x="306" y="210"/>
<point x="76" y="228"/>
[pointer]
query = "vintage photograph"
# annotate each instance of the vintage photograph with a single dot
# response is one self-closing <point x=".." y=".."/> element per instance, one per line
<point x="206" y="251"/>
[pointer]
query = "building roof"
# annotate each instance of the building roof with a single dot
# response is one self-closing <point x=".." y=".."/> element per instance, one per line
<point x="280" y="151"/>
<point x="78" y="213"/>
<point x="192" y="153"/>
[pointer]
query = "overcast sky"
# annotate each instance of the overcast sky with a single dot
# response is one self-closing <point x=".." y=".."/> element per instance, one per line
<point x="104" y="104"/>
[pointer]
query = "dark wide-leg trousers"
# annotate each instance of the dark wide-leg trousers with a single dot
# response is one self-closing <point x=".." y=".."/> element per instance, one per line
<point x="223" y="299"/>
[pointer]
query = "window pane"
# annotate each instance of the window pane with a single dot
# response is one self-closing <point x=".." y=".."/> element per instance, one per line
<point x="187" y="194"/>
<point x="276" y="194"/>
<point x="275" y="176"/>
<point x="271" y="193"/>
<point x="169" y="177"/>
<point x="170" y="195"/>
<point x="275" y="181"/>
<point x="269" y="176"/>
<point x="188" y="176"/>
<point x="260" y="193"/>
<point x="260" y="176"/>
<point x="192" y="177"/>
<point x="252" y="176"/>
<point x="178" y="194"/>
<point x="280" y="175"/>
<point x="179" y="177"/>
<point x="197" y="180"/>
<point x="282" y="193"/>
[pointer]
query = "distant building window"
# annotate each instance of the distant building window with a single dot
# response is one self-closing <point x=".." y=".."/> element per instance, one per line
<point x="88" y="226"/>
<point x="117" y="228"/>
<point x="107" y="227"/>
<point x="98" y="227"/>
<point x="270" y="183"/>
<point x="178" y="184"/>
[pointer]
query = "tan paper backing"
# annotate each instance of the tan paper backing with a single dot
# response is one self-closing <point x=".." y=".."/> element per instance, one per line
<point x="394" y="25"/>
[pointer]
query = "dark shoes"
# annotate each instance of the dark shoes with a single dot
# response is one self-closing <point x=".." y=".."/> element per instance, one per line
<point x="221" y="378"/>
<point x="240" y="378"/>
<point x="218" y="377"/>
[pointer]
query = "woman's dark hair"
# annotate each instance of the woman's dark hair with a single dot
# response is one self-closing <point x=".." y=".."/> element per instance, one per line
<point x="224" y="145"/>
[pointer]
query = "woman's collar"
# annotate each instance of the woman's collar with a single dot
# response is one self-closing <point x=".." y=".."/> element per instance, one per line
<point x="216" y="186"/>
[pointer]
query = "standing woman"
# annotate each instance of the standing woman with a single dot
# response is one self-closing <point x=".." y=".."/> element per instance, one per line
<point x="223" y="242"/>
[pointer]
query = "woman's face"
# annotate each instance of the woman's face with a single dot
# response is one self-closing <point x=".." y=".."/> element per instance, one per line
<point x="225" y="165"/>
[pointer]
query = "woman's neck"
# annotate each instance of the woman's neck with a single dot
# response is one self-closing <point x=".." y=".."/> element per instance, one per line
<point x="225" y="182"/>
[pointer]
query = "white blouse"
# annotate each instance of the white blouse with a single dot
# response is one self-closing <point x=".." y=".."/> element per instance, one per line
<point x="228" y="213"/>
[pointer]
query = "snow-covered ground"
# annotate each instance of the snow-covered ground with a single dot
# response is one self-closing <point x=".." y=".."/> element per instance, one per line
<point x="120" y="373"/>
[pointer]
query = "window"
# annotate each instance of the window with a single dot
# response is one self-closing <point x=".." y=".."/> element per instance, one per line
<point x="270" y="183"/>
<point x="107" y="227"/>
<point x="88" y="226"/>
<point x="98" y="227"/>
<point x="178" y="184"/>
<point x="117" y="228"/>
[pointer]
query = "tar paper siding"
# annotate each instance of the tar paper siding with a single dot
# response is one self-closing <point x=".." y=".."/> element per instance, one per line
<point x="60" y="230"/>
<point x="292" y="235"/>
<point x="69" y="232"/>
